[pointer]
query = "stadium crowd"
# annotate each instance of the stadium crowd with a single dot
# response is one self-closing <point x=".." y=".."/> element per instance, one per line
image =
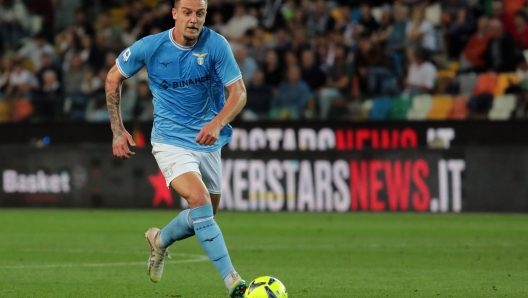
<point x="300" y="60"/>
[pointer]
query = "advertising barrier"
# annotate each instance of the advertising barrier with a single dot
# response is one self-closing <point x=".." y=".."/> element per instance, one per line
<point x="417" y="167"/>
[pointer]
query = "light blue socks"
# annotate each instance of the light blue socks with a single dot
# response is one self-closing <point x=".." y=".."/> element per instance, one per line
<point x="211" y="239"/>
<point x="178" y="229"/>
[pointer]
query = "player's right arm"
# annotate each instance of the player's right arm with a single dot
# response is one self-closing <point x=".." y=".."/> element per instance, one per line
<point x="121" y="138"/>
<point x="127" y="64"/>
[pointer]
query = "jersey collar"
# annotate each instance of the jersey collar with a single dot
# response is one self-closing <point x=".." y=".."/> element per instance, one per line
<point x="179" y="46"/>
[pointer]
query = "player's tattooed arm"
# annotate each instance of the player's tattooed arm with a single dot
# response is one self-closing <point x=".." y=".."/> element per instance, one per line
<point x="121" y="137"/>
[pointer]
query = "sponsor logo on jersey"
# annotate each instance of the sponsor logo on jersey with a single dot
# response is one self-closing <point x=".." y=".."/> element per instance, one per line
<point x="184" y="83"/>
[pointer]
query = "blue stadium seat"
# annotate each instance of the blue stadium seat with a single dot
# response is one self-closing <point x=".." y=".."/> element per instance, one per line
<point x="380" y="108"/>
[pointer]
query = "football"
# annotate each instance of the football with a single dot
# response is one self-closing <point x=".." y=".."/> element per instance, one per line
<point x="266" y="287"/>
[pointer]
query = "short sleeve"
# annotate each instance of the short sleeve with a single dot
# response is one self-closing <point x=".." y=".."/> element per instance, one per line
<point x="132" y="59"/>
<point x="225" y="65"/>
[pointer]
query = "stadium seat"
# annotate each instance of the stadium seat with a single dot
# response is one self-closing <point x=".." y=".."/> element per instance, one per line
<point x="459" y="110"/>
<point x="366" y="106"/>
<point x="502" y="107"/>
<point x="421" y="105"/>
<point x="5" y="110"/>
<point x="486" y="83"/>
<point x="400" y="107"/>
<point x="380" y="108"/>
<point x="442" y="105"/>
<point x="467" y="83"/>
<point x="505" y="80"/>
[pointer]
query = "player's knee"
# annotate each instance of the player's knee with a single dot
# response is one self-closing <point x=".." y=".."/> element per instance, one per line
<point x="199" y="197"/>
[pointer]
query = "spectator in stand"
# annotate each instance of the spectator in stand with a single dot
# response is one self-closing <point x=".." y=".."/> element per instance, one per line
<point x="81" y="25"/>
<point x="395" y="41"/>
<point x="521" y="30"/>
<point x="280" y="42"/>
<point x="111" y="32"/>
<point x="48" y="64"/>
<point x="6" y="67"/>
<point x="292" y="97"/>
<point x="473" y="57"/>
<point x="14" y="23"/>
<point x="217" y="23"/>
<point x="459" y="21"/>
<point x="163" y="17"/>
<point x="259" y="96"/>
<point x="420" y="32"/>
<point x="134" y="10"/>
<point x="21" y="82"/>
<point x="272" y="69"/>
<point x="506" y="19"/>
<point x="90" y="83"/>
<point x="395" y="38"/>
<point x="98" y="51"/>
<point x="345" y="24"/>
<point x="300" y="42"/>
<point x="385" y="27"/>
<point x="144" y="109"/>
<point x="225" y="8"/>
<point x="290" y="59"/>
<point x="110" y="59"/>
<point x="96" y="110"/>
<point x="367" y="20"/>
<point x="239" y="23"/>
<point x="319" y="21"/>
<point x="258" y="47"/>
<point x="130" y="32"/>
<point x="34" y="49"/>
<point x="247" y="65"/>
<point x="338" y="83"/>
<point x="67" y="42"/>
<point x="422" y="74"/>
<point x="73" y="77"/>
<point x="46" y="10"/>
<point x="372" y="66"/>
<point x="49" y="99"/>
<point x="297" y="21"/>
<point x="500" y="54"/>
<point x="311" y="73"/>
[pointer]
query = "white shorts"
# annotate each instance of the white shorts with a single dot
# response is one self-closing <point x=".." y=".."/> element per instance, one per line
<point x="174" y="161"/>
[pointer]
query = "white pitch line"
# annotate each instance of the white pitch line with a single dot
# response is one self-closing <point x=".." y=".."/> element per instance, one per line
<point x="199" y="258"/>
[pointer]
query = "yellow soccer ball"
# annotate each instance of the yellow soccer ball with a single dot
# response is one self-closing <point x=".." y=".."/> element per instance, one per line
<point x="266" y="287"/>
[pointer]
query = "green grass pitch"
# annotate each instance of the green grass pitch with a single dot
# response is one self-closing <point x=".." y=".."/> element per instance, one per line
<point x="94" y="253"/>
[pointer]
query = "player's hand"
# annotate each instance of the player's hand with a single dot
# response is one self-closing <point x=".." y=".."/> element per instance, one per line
<point x="209" y="134"/>
<point x="120" y="144"/>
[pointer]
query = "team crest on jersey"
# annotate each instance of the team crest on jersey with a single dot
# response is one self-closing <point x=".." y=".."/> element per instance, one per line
<point x="200" y="58"/>
<point x="167" y="172"/>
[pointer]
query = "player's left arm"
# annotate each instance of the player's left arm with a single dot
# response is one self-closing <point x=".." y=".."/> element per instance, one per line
<point x="234" y="104"/>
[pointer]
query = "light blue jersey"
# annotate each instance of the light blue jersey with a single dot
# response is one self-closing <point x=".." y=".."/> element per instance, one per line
<point x="187" y="84"/>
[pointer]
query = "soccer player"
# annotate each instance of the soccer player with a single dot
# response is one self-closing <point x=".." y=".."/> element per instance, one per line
<point x="188" y="67"/>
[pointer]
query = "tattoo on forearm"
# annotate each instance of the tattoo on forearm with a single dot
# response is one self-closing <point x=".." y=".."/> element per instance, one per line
<point x="112" y="102"/>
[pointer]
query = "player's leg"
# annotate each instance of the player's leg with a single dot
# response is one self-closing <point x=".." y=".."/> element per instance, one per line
<point x="173" y="162"/>
<point x="215" y="200"/>
<point x="211" y="170"/>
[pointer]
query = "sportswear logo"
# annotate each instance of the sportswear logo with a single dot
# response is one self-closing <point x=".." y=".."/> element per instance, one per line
<point x="126" y="55"/>
<point x="210" y="239"/>
<point x="165" y="85"/>
<point x="200" y="58"/>
<point x="167" y="172"/>
<point x="165" y="63"/>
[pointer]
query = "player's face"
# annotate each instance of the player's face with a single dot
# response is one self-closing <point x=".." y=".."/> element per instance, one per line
<point x="190" y="17"/>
